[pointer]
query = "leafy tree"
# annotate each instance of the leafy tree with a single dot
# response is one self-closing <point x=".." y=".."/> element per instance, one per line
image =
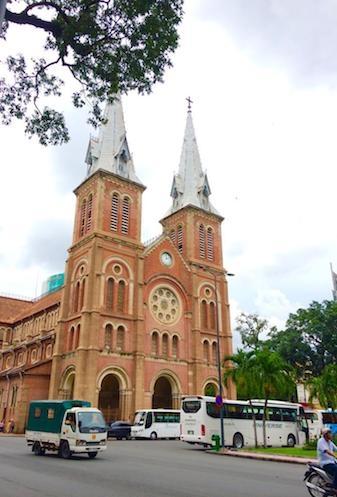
<point x="273" y="377"/>
<point x="251" y="328"/>
<point x="106" y="45"/>
<point x="324" y="387"/>
<point x="242" y="371"/>
<point x="309" y="340"/>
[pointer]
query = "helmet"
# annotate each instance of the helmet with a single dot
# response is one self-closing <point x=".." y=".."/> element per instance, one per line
<point x="325" y="431"/>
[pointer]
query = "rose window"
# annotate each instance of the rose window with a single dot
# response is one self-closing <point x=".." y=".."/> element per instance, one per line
<point x="164" y="305"/>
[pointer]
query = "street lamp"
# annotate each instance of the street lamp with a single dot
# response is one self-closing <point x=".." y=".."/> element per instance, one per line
<point x="214" y="273"/>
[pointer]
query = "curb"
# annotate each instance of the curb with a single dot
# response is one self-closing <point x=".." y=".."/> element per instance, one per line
<point x="263" y="457"/>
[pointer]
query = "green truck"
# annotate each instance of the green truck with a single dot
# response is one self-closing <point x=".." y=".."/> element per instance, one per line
<point x="67" y="427"/>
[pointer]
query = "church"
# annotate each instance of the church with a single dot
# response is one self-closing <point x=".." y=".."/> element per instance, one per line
<point x="134" y="325"/>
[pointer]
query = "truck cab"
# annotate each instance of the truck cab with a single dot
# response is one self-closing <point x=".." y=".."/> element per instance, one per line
<point x="67" y="427"/>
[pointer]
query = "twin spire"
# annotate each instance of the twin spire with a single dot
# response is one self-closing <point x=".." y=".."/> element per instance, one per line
<point x="110" y="152"/>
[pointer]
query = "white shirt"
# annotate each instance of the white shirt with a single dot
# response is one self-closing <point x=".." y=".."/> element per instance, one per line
<point x="322" y="446"/>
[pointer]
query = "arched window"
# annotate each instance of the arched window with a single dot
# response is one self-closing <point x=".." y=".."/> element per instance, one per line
<point x="214" y="353"/>
<point x="155" y="343"/>
<point x="76" y="296"/>
<point x="120" y="338"/>
<point x="173" y="236"/>
<point x="82" y="294"/>
<point x="108" y="336"/>
<point x="71" y="337"/>
<point x="175" y="346"/>
<point x="206" y="351"/>
<point x="180" y="238"/>
<point x="121" y="296"/>
<point x="77" y="336"/>
<point x="210" y="390"/>
<point x="202" y="247"/>
<point x="83" y="217"/>
<point x="110" y="293"/>
<point x="210" y="244"/>
<point x="212" y="316"/>
<point x="89" y="215"/>
<point x="203" y="315"/>
<point x="125" y="215"/>
<point x="165" y="345"/>
<point x="114" y="212"/>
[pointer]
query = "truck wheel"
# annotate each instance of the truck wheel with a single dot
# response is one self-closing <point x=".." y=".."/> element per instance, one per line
<point x="64" y="450"/>
<point x="91" y="455"/>
<point x="37" y="449"/>
<point x="153" y="435"/>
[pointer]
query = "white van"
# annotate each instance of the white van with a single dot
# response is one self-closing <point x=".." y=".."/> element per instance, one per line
<point x="156" y="423"/>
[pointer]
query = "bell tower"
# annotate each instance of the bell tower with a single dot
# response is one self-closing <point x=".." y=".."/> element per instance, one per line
<point x="99" y="310"/>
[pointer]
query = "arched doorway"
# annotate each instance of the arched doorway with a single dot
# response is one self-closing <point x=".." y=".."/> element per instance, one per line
<point x="66" y="391"/>
<point x="109" y="398"/>
<point x="162" y="394"/>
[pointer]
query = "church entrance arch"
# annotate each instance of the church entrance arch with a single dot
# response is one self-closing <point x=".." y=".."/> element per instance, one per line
<point x="66" y="391"/>
<point x="162" y="394"/>
<point x="109" y="398"/>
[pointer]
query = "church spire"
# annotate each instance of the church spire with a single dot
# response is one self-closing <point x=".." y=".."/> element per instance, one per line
<point x="190" y="186"/>
<point x="110" y="151"/>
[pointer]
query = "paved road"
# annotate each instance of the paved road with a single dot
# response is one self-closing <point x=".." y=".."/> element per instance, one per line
<point x="143" y="469"/>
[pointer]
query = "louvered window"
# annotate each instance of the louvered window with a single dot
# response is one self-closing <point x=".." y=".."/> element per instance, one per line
<point x="212" y="316"/>
<point x="210" y="244"/>
<point x="175" y="346"/>
<point x="180" y="238"/>
<point x="114" y="212"/>
<point x="108" y="336"/>
<point x="121" y="296"/>
<point x="173" y="236"/>
<point x="203" y="315"/>
<point x="165" y="345"/>
<point x="89" y="214"/>
<point x="110" y="293"/>
<point x="125" y="215"/>
<point x="214" y="353"/>
<point x="155" y="343"/>
<point x="82" y="217"/>
<point x="120" y="338"/>
<point x="206" y="350"/>
<point x="202" y="248"/>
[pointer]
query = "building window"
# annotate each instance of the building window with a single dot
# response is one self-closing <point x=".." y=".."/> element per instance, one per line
<point x="120" y="338"/>
<point x="82" y="294"/>
<point x="71" y="338"/>
<point x="203" y="315"/>
<point x="77" y="336"/>
<point x="212" y="316"/>
<point x="165" y="345"/>
<point x="206" y="351"/>
<point x="89" y="215"/>
<point x="114" y="212"/>
<point x="121" y="296"/>
<point x="83" y="217"/>
<point x="202" y="247"/>
<point x="210" y="244"/>
<point x="108" y="336"/>
<point x="180" y="238"/>
<point x="173" y="236"/>
<point x="110" y="293"/>
<point x="33" y="356"/>
<point x="175" y="346"/>
<point x="125" y="215"/>
<point x="214" y="353"/>
<point x="76" y="296"/>
<point x="155" y="343"/>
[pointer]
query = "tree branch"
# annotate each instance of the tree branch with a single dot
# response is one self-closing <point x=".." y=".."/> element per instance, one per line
<point x="23" y="18"/>
<point x="46" y="3"/>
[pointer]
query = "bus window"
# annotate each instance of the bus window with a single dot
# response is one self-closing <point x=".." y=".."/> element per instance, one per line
<point x="289" y="414"/>
<point x="148" y="420"/>
<point x="213" y="410"/>
<point x="275" y="414"/>
<point x="191" y="406"/>
<point x="139" y="418"/>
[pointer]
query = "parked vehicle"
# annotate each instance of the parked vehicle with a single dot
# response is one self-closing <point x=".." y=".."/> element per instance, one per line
<point x="156" y="423"/>
<point x="67" y="427"/>
<point x="318" y="481"/>
<point x="200" y="420"/>
<point x="119" y="430"/>
<point x="319" y="419"/>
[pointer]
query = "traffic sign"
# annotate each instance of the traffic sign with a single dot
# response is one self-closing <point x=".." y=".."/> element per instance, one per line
<point x="218" y="400"/>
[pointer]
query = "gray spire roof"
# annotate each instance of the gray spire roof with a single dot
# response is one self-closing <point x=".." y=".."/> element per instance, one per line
<point x="190" y="186"/>
<point x="110" y="151"/>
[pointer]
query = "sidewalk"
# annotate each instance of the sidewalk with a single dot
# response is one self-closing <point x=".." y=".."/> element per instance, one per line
<point x="262" y="457"/>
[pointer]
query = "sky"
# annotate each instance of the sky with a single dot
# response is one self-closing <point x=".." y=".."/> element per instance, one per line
<point x="263" y="78"/>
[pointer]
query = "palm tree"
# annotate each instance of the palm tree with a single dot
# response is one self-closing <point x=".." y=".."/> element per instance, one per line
<point x="241" y="371"/>
<point x="273" y="377"/>
<point x="324" y="387"/>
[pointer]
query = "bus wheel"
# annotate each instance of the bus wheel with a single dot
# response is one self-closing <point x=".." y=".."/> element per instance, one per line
<point x="153" y="436"/>
<point x="291" y="442"/>
<point x="238" y="441"/>
<point x="64" y="450"/>
<point x="37" y="449"/>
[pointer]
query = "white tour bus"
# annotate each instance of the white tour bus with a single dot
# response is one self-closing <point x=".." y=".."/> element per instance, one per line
<point x="319" y="419"/>
<point x="156" y="423"/>
<point x="200" y="419"/>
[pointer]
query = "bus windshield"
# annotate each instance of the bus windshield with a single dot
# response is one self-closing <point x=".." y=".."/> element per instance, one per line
<point x="139" y="418"/>
<point x="91" y="422"/>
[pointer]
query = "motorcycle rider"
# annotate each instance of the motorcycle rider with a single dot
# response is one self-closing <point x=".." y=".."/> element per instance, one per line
<point x="326" y="456"/>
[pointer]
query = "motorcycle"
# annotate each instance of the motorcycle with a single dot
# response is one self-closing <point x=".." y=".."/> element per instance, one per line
<point x="318" y="481"/>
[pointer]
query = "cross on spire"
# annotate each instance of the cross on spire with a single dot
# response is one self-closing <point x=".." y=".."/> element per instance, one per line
<point x="189" y="102"/>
